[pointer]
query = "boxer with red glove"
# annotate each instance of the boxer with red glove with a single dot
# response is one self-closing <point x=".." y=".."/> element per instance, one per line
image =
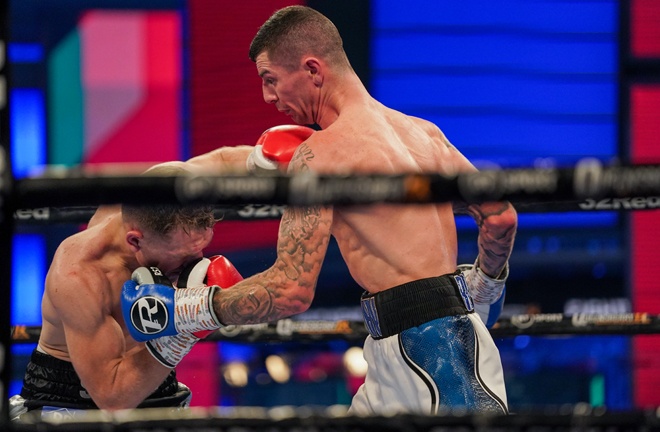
<point x="152" y="310"/>
<point x="275" y="147"/>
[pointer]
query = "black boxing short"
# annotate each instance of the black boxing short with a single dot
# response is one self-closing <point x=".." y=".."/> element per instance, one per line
<point x="51" y="382"/>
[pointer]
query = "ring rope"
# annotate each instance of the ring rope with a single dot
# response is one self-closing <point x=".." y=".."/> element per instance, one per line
<point x="301" y="330"/>
<point x="575" y="418"/>
<point x="249" y="212"/>
<point x="587" y="180"/>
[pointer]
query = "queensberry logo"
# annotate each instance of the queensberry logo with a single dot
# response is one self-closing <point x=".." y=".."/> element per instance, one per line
<point x="465" y="294"/>
<point x="149" y="315"/>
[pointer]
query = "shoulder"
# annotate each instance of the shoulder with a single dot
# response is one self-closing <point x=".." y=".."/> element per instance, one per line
<point x="310" y="153"/>
<point x="103" y="214"/>
<point x="431" y="129"/>
<point x="77" y="293"/>
<point x="73" y="267"/>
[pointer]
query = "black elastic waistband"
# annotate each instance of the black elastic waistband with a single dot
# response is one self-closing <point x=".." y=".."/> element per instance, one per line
<point x="394" y="310"/>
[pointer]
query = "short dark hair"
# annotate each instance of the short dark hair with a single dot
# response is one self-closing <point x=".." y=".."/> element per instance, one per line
<point x="294" y="31"/>
<point x="165" y="218"/>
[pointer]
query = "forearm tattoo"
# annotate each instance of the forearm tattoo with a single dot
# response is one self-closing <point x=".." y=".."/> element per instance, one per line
<point x="288" y="286"/>
<point x="495" y="242"/>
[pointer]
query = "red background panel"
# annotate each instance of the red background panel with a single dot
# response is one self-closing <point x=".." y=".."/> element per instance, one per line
<point x="645" y="28"/>
<point x="645" y="237"/>
<point x="227" y="109"/>
<point x="162" y="103"/>
<point x="227" y="104"/>
<point x="226" y="100"/>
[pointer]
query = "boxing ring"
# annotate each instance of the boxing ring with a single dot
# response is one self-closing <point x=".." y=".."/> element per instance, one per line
<point x="68" y="196"/>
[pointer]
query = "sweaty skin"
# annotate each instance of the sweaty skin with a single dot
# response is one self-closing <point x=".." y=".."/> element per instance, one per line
<point x="382" y="245"/>
<point x="81" y="308"/>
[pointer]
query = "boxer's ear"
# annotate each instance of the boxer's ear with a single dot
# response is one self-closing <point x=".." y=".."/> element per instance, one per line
<point x="134" y="238"/>
<point x="315" y="69"/>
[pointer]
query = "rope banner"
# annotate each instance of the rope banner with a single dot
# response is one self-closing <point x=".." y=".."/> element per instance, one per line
<point x="616" y="186"/>
<point x="250" y="212"/>
<point x="292" y="330"/>
<point x="82" y="214"/>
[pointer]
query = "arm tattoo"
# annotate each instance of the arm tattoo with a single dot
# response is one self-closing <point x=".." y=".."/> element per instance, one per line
<point x="300" y="158"/>
<point x="460" y="207"/>
<point x="289" y="285"/>
<point x="495" y="243"/>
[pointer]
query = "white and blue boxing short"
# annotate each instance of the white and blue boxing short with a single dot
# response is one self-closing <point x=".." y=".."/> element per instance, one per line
<point x="428" y="352"/>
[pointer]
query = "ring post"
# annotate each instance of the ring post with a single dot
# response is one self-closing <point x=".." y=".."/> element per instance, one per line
<point x="6" y="217"/>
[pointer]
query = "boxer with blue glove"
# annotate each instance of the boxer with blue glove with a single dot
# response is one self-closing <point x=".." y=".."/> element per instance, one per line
<point x="153" y="310"/>
<point x="85" y="358"/>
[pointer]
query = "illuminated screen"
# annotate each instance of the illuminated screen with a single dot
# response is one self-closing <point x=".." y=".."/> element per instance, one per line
<point x="512" y="83"/>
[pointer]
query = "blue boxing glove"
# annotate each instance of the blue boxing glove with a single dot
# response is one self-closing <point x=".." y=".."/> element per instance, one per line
<point x="148" y="304"/>
<point x="154" y="309"/>
<point x="487" y="293"/>
<point x="167" y="350"/>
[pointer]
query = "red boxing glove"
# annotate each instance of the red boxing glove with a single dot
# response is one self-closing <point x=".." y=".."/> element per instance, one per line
<point x="275" y="147"/>
<point x="222" y="273"/>
<point x="214" y="271"/>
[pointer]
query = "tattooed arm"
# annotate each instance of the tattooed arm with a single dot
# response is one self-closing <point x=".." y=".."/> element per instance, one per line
<point x="287" y="288"/>
<point x="497" y="222"/>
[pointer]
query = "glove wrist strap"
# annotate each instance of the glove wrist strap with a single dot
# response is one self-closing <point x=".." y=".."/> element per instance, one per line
<point x="170" y="350"/>
<point x="194" y="310"/>
<point x="483" y="288"/>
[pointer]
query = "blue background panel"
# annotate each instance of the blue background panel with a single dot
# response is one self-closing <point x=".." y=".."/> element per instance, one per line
<point x="507" y="81"/>
<point x="28" y="130"/>
<point x="28" y="276"/>
<point x="570" y="16"/>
